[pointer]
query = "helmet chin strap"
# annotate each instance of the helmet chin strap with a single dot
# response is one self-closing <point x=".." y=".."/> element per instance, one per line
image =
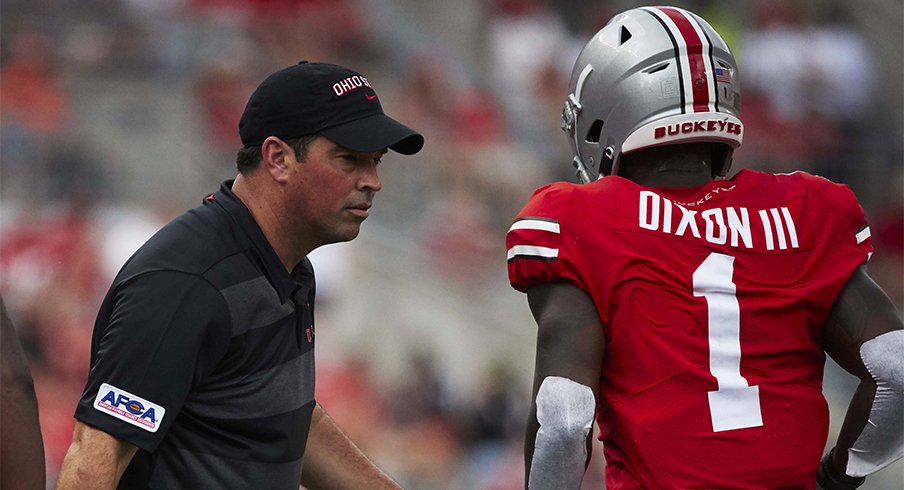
<point x="580" y="171"/>
<point x="570" y="114"/>
<point x="569" y="124"/>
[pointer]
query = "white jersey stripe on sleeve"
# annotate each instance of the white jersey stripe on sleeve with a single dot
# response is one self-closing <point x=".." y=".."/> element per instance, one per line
<point x="863" y="234"/>
<point x="535" y="224"/>
<point x="532" y="251"/>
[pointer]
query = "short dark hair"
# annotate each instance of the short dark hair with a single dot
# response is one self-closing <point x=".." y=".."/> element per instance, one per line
<point x="247" y="159"/>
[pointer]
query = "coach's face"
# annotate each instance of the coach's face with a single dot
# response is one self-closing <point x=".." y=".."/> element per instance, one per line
<point x="331" y="191"/>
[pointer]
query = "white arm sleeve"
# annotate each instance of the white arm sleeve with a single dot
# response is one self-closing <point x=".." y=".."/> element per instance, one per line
<point x="565" y="412"/>
<point x="882" y="440"/>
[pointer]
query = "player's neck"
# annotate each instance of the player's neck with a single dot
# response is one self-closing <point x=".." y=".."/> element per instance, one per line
<point x="674" y="178"/>
<point x="664" y="168"/>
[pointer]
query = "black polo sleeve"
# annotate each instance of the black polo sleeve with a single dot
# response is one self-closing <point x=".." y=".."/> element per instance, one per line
<point x="157" y="335"/>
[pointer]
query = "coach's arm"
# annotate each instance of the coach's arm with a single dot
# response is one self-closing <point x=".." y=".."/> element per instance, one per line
<point x="95" y="460"/>
<point x="333" y="461"/>
<point x="21" y="446"/>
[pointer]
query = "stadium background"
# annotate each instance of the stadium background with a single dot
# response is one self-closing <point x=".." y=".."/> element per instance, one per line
<point x="117" y="115"/>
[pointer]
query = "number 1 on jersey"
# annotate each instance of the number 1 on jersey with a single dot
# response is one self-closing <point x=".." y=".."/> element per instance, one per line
<point x="736" y="404"/>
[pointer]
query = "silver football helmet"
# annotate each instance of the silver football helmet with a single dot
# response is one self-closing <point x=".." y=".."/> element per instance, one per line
<point x="652" y="76"/>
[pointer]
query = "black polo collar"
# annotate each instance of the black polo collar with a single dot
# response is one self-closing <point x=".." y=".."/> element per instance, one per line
<point x="285" y="283"/>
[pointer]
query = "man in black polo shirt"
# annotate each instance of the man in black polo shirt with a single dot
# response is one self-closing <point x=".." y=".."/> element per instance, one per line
<point x="202" y="359"/>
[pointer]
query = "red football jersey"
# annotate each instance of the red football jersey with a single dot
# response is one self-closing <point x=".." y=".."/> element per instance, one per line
<point x="713" y="299"/>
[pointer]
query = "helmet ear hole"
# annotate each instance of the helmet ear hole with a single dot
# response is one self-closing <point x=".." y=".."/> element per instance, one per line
<point x="593" y="134"/>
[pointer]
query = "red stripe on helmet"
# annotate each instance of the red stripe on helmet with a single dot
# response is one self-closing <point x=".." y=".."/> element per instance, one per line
<point x="699" y="81"/>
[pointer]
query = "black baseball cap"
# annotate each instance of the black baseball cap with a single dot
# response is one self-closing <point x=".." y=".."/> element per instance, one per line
<point x="339" y="103"/>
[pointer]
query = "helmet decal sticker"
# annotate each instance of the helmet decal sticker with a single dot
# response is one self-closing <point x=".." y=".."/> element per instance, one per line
<point x="695" y="68"/>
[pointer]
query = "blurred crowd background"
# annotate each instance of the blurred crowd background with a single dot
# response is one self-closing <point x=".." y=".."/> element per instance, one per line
<point x="117" y="115"/>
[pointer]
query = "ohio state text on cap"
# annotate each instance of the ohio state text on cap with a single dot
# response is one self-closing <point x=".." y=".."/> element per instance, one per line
<point x="339" y="103"/>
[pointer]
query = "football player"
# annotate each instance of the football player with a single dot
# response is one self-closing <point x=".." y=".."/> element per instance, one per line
<point x="689" y="313"/>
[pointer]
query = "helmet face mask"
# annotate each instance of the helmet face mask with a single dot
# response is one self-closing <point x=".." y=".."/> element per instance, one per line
<point x="652" y="76"/>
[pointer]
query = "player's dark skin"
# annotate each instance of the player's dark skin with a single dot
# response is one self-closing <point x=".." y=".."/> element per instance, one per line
<point x="21" y="447"/>
<point x="571" y="342"/>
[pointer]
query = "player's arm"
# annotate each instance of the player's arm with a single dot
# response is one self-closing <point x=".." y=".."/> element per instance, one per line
<point x="95" y="460"/>
<point x="865" y="336"/>
<point x="21" y="447"/>
<point x="570" y="349"/>
<point x="333" y="461"/>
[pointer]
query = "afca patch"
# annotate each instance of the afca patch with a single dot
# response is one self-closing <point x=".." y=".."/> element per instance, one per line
<point x="129" y="408"/>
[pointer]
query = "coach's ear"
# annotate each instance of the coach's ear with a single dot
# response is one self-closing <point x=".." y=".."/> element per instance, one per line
<point x="276" y="158"/>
